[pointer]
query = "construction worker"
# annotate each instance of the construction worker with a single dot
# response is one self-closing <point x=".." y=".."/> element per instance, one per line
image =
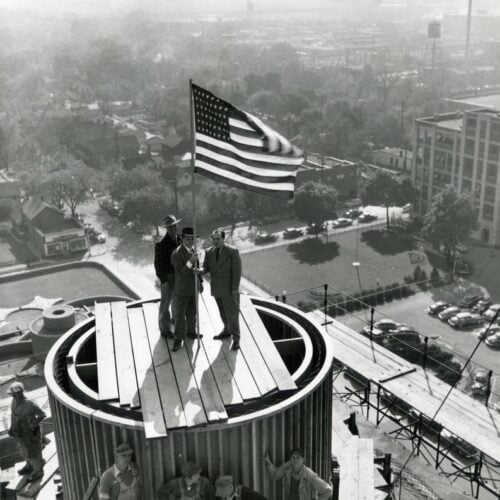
<point x="121" y="481"/>
<point x="25" y="429"/>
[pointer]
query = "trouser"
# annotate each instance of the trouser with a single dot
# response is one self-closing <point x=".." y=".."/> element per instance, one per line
<point x="185" y="316"/>
<point x="31" y="451"/>
<point x="167" y="301"/>
<point x="229" y="309"/>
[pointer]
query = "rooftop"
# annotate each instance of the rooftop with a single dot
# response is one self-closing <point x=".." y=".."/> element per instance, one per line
<point x="479" y="101"/>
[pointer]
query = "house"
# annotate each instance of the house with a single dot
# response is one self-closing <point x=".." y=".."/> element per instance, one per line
<point x="9" y="188"/>
<point x="48" y="230"/>
<point x="393" y="158"/>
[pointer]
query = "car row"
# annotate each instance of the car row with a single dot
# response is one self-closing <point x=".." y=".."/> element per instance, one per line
<point x="471" y="311"/>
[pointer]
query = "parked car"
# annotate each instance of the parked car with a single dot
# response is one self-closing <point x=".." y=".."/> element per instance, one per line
<point x="437" y="307"/>
<point x="380" y="327"/>
<point x="447" y="313"/>
<point x="367" y="217"/>
<point x="112" y="207"/>
<point x="465" y="319"/>
<point x="481" y="306"/>
<point x="493" y="341"/>
<point x="462" y="268"/>
<point x="486" y="332"/>
<point x="290" y="232"/>
<point x="461" y="248"/>
<point x="470" y="300"/>
<point x="353" y="213"/>
<point x="263" y="237"/>
<point x="342" y="222"/>
<point x="492" y="310"/>
<point x="98" y="236"/>
<point x="406" y="209"/>
<point x="314" y="229"/>
<point x="404" y="334"/>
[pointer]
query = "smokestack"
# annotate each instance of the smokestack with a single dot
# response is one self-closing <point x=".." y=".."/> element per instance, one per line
<point x="467" y="34"/>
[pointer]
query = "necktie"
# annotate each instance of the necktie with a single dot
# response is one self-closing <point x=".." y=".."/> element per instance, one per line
<point x="217" y="253"/>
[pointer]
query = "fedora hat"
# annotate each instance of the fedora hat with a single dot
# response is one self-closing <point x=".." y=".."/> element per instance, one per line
<point x="170" y="220"/>
<point x="187" y="231"/>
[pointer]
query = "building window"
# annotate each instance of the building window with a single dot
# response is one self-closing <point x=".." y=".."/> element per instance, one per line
<point x="466" y="185"/>
<point x="53" y="248"/>
<point x="495" y="131"/>
<point x="482" y="129"/>
<point x="489" y="194"/>
<point x="78" y="244"/>
<point x="469" y="147"/>
<point x="491" y="173"/>
<point x="493" y="152"/>
<point x="488" y="212"/>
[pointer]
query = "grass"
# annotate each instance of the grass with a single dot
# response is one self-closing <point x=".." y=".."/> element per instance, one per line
<point x="314" y="262"/>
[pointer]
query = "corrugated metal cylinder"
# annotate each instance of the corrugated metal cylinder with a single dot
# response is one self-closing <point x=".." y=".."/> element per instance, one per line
<point x="86" y="437"/>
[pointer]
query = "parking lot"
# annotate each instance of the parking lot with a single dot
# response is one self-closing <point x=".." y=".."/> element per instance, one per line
<point x="412" y="312"/>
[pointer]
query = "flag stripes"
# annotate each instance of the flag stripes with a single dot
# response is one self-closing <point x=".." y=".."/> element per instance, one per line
<point x="237" y="148"/>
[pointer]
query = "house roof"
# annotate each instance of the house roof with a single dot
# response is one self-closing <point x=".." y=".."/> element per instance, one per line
<point x="34" y="206"/>
<point x="8" y="187"/>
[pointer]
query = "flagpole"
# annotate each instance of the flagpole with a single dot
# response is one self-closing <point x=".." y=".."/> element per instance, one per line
<point x="193" y="202"/>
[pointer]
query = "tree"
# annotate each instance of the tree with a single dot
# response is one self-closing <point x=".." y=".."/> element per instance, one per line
<point x="384" y="190"/>
<point x="147" y="205"/>
<point x="226" y="203"/>
<point x="120" y="182"/>
<point x="314" y="203"/>
<point x="451" y="218"/>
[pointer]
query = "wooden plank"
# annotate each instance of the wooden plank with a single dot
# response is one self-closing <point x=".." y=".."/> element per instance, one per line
<point x="106" y="363"/>
<point x="273" y="360"/>
<point x="237" y="363"/>
<point x="209" y="391"/>
<point x="228" y="388"/>
<point x="260" y="371"/>
<point x="31" y="490"/>
<point x="356" y="470"/>
<point x="152" y="412"/>
<point x="171" y="401"/>
<point x="188" y="388"/>
<point x="125" y="366"/>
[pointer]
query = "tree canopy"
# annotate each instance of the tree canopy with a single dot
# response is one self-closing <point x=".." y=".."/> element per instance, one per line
<point x="314" y="203"/>
<point x="384" y="189"/>
<point x="451" y="218"/>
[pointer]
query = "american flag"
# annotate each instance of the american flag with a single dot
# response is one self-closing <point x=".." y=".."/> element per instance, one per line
<point x="236" y="148"/>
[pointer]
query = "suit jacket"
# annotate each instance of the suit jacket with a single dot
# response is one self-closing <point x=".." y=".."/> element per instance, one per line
<point x="163" y="251"/>
<point x="225" y="273"/>
<point x="184" y="275"/>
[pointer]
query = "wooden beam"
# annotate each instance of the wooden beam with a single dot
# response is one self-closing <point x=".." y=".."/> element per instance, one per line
<point x="171" y="401"/>
<point x="228" y="388"/>
<point x="125" y="365"/>
<point x="273" y="360"/>
<point x="152" y="412"/>
<point x="106" y="364"/>
<point x="237" y="363"/>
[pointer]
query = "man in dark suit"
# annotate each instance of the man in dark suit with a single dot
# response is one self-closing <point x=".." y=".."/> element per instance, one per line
<point x="165" y="273"/>
<point x="185" y="260"/>
<point x="224" y="265"/>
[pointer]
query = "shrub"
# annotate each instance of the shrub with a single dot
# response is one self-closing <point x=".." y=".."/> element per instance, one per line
<point x="379" y="295"/>
<point x="408" y="279"/>
<point x="405" y="291"/>
<point x="388" y="293"/>
<point x="423" y="280"/>
<point x="450" y="373"/>
<point x="435" y="277"/>
<point x="416" y="273"/>
<point x="396" y="290"/>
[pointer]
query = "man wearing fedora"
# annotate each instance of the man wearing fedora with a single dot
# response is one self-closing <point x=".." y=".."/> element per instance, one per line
<point x="185" y="262"/>
<point x="226" y="489"/>
<point x="165" y="273"/>
<point x="25" y="429"/>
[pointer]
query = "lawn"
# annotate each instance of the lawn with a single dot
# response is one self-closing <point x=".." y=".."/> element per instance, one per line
<point x="384" y="259"/>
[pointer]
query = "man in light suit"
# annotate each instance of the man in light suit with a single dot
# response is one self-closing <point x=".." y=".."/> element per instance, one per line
<point x="185" y="260"/>
<point x="224" y="265"/>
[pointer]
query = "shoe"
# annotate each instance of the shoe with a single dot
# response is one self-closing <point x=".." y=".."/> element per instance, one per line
<point x="222" y="335"/>
<point x="168" y="335"/>
<point x="35" y="475"/>
<point x="177" y="345"/>
<point x="27" y="469"/>
<point x="235" y="345"/>
<point x="192" y="335"/>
